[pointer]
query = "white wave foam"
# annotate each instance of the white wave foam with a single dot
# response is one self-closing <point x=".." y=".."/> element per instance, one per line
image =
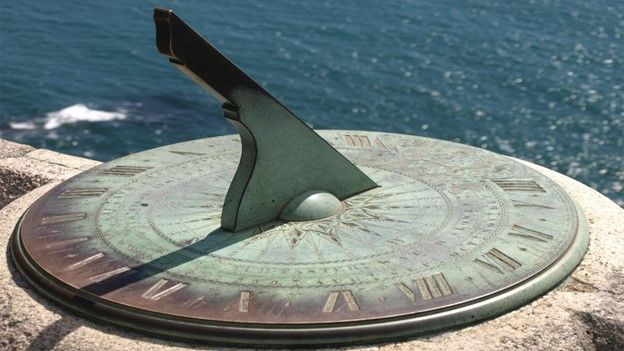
<point x="22" y="125"/>
<point x="80" y="113"/>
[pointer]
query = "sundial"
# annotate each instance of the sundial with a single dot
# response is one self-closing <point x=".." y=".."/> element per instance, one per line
<point x="283" y="236"/>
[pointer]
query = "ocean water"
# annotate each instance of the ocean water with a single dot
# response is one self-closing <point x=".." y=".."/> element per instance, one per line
<point x="537" y="80"/>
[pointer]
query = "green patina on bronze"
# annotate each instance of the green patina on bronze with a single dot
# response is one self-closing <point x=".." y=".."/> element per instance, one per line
<point x="437" y="235"/>
<point x="282" y="157"/>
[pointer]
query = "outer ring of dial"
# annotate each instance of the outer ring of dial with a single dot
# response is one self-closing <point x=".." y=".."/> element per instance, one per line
<point x="228" y="333"/>
<point x="238" y="334"/>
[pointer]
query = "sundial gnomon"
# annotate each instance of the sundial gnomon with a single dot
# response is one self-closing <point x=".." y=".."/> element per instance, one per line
<point x="349" y="236"/>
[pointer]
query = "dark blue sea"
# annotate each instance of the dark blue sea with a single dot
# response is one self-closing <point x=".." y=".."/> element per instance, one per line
<point x="538" y="80"/>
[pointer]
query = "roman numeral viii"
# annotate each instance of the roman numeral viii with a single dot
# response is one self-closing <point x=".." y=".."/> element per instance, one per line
<point x="431" y="287"/>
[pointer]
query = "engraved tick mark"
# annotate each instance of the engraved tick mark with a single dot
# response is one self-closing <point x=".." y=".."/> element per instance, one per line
<point x="520" y="203"/>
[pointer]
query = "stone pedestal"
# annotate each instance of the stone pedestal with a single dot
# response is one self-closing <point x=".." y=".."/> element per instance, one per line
<point x="585" y="312"/>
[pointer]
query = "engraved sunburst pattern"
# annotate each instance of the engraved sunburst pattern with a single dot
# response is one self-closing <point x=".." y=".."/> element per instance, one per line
<point x="374" y="222"/>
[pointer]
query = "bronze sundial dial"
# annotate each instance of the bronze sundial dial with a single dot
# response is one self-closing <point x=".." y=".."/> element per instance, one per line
<point x="313" y="239"/>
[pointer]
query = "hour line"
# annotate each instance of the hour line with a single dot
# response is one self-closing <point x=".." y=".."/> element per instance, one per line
<point x="153" y="292"/>
<point x="82" y="192"/>
<point x="519" y="185"/>
<point x="100" y="277"/>
<point x="430" y="287"/>
<point x="497" y="261"/>
<point x="520" y="203"/>
<point x="67" y="217"/>
<point x="531" y="234"/>
<point x="243" y="302"/>
<point x="124" y="171"/>
<point x="186" y="153"/>
<point x="332" y="298"/>
<point x="362" y="141"/>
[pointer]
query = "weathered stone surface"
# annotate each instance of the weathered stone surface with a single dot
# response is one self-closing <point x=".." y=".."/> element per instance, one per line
<point x="14" y="184"/>
<point x="586" y="312"/>
<point x="22" y="169"/>
<point x="11" y="149"/>
<point x="63" y="160"/>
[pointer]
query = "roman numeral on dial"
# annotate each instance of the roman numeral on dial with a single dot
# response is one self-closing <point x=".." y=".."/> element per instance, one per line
<point x="82" y="192"/>
<point x="85" y="261"/>
<point x="519" y="185"/>
<point x="497" y="261"/>
<point x="243" y="301"/>
<point x="62" y="218"/>
<point x="103" y="276"/>
<point x="124" y="171"/>
<point x="65" y="243"/>
<point x="161" y="289"/>
<point x="430" y="287"/>
<point x="530" y="234"/>
<point x="332" y="298"/>
<point x="364" y="142"/>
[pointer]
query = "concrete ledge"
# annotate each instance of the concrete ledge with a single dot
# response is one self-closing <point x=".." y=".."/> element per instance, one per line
<point x="585" y="312"/>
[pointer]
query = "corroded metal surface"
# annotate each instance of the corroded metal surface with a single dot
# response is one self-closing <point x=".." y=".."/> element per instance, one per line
<point x="282" y="157"/>
<point x="453" y="234"/>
